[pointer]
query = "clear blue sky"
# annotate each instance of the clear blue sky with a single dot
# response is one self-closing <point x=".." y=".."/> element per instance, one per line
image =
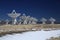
<point x="35" y="8"/>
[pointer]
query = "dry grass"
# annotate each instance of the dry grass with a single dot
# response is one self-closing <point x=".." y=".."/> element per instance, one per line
<point x="54" y="38"/>
<point x="7" y="27"/>
<point x="15" y="28"/>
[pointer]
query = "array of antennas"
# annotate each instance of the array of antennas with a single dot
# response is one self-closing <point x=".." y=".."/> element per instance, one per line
<point x="26" y="19"/>
<point x="23" y="19"/>
<point x="52" y="20"/>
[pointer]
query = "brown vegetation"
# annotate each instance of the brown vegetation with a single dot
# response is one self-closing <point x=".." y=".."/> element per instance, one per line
<point x="54" y="38"/>
<point x="21" y="28"/>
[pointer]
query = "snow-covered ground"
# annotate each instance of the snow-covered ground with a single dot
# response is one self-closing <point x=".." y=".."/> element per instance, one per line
<point x="34" y="35"/>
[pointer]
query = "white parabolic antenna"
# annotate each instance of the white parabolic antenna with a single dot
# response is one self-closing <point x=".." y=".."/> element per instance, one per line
<point x="14" y="15"/>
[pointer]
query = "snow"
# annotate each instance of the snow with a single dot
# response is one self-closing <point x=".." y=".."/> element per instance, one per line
<point x="32" y="35"/>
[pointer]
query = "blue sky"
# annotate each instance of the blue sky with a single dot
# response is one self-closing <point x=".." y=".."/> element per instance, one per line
<point x="35" y="8"/>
